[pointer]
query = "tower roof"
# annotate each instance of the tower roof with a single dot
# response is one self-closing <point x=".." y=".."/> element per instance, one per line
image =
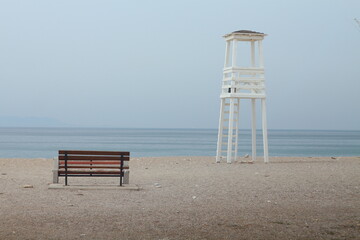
<point x="245" y="35"/>
<point x="248" y="32"/>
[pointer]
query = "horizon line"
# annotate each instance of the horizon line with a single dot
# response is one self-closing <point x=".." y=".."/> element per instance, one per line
<point x="179" y="128"/>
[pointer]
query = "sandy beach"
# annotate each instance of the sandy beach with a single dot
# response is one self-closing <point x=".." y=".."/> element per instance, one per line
<point x="187" y="198"/>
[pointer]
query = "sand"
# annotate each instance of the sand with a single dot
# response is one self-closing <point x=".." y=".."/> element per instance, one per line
<point x="187" y="198"/>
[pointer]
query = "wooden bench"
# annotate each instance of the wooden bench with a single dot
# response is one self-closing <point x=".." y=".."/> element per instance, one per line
<point x="75" y="163"/>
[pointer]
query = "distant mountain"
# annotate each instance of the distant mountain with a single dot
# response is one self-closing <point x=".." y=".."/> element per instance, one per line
<point x="13" y="121"/>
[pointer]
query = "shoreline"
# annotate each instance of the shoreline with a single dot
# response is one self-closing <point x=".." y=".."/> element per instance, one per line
<point x="239" y="158"/>
<point x="187" y="197"/>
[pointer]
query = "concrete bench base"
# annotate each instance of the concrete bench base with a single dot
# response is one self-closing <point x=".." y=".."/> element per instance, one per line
<point x="95" y="187"/>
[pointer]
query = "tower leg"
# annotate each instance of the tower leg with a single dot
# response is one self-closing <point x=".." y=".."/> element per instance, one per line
<point x="230" y="131"/>
<point x="237" y="128"/>
<point x="220" y="133"/>
<point x="264" y="127"/>
<point x="253" y="129"/>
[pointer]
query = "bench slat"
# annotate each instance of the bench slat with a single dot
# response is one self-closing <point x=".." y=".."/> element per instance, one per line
<point x="88" y="172"/>
<point x="91" y="175"/>
<point x="80" y="152"/>
<point x="81" y="166"/>
<point x="98" y="158"/>
<point x="89" y="162"/>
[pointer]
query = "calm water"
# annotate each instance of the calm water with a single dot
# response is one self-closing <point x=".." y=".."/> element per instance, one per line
<point x="45" y="142"/>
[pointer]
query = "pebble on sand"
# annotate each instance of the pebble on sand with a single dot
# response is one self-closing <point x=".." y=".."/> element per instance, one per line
<point x="28" y="186"/>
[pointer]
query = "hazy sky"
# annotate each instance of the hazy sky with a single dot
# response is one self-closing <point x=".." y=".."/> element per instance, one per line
<point x="158" y="63"/>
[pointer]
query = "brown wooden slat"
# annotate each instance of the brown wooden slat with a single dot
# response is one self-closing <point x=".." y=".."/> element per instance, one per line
<point x="80" y="152"/>
<point x="78" y="166"/>
<point x="90" y="162"/>
<point x="88" y="172"/>
<point x="98" y="158"/>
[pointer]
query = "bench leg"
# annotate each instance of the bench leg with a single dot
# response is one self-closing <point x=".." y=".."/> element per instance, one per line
<point x="56" y="170"/>
<point x="126" y="177"/>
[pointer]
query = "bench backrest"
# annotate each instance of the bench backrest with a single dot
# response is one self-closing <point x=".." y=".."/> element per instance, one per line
<point x="76" y="163"/>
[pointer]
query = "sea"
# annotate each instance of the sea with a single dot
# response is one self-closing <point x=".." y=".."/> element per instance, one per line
<point x="45" y="142"/>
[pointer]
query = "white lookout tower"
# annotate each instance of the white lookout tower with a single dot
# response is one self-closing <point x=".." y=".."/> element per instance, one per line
<point x="241" y="82"/>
